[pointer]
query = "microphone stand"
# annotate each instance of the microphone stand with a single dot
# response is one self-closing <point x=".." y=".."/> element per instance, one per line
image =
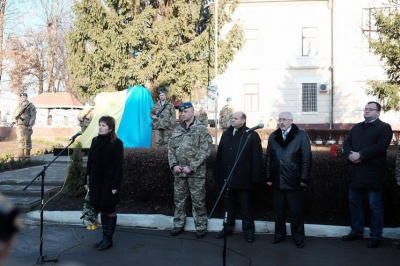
<point x="227" y="184"/>
<point x="42" y="259"/>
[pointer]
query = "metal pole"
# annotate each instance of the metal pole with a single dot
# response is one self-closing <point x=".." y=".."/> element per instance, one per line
<point x="331" y="68"/>
<point x="216" y="72"/>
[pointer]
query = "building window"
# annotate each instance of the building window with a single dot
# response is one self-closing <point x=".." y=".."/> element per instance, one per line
<point x="369" y="28"/>
<point x="250" y="52"/>
<point x="251" y="97"/>
<point x="309" y="41"/>
<point x="309" y="97"/>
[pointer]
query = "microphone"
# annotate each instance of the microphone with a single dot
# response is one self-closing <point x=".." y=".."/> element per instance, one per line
<point x="261" y="125"/>
<point x="75" y="136"/>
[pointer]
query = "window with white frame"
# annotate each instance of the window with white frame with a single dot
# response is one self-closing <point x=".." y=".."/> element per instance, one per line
<point x="309" y="41"/>
<point x="309" y="97"/>
<point x="369" y="28"/>
<point x="251" y="97"/>
<point x="251" y="49"/>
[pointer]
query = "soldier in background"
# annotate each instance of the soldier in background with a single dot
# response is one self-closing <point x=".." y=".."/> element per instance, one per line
<point x="25" y="116"/>
<point x="225" y="115"/>
<point x="272" y="123"/>
<point x="164" y="117"/>
<point x="201" y="114"/>
<point x="188" y="150"/>
<point x="85" y="117"/>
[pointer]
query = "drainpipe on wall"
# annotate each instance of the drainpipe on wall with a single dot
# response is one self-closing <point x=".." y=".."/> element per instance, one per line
<point x="331" y="68"/>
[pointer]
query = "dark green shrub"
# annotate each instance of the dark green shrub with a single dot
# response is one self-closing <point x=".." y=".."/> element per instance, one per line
<point x="148" y="180"/>
<point x="7" y="162"/>
<point x="76" y="173"/>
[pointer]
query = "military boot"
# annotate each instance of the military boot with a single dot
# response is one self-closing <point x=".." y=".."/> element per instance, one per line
<point x="27" y="153"/>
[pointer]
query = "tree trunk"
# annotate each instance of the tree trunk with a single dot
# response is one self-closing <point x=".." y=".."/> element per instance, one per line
<point x="2" y="11"/>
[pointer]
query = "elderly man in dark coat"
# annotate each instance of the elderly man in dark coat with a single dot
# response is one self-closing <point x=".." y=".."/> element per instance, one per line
<point x="245" y="174"/>
<point x="365" y="149"/>
<point x="288" y="168"/>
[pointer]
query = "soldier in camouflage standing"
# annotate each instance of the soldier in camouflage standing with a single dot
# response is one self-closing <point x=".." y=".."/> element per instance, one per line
<point x="25" y="116"/>
<point x="225" y="115"/>
<point x="164" y="117"/>
<point x="85" y="117"/>
<point x="201" y="114"/>
<point x="188" y="150"/>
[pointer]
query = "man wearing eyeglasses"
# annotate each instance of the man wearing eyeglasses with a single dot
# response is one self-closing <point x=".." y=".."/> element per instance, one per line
<point x="288" y="168"/>
<point x="365" y="149"/>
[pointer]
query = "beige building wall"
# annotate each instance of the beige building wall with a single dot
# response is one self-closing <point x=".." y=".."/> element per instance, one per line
<point x="271" y="65"/>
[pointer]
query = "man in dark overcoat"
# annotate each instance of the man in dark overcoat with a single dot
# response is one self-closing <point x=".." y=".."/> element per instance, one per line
<point x="365" y="149"/>
<point x="245" y="174"/>
<point x="288" y="168"/>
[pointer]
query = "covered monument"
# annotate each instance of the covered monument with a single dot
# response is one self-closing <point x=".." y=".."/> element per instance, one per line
<point x="131" y="109"/>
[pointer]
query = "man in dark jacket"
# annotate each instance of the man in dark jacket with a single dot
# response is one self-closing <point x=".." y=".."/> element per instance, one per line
<point x="288" y="168"/>
<point x="244" y="149"/>
<point x="365" y="149"/>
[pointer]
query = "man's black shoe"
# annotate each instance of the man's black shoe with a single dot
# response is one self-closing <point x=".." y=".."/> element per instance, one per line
<point x="249" y="238"/>
<point x="277" y="240"/>
<point x="300" y="244"/>
<point x="351" y="237"/>
<point x="373" y="243"/>
<point x="221" y="233"/>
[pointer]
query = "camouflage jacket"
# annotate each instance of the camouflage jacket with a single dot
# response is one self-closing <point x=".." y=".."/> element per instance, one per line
<point x="28" y="116"/>
<point x="190" y="147"/>
<point x="167" y="118"/>
<point x="202" y="116"/>
<point x="225" y="116"/>
<point x="85" y="117"/>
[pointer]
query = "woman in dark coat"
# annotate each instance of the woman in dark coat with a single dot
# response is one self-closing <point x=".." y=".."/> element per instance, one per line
<point x="104" y="174"/>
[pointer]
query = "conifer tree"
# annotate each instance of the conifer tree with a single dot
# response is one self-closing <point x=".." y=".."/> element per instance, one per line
<point x="76" y="173"/>
<point x="117" y="43"/>
<point x="387" y="45"/>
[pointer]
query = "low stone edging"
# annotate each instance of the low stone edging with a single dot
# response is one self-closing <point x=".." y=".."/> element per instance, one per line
<point x="163" y="222"/>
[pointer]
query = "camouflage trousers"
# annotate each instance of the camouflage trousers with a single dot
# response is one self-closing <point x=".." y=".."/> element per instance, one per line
<point x="196" y="189"/>
<point x="24" y="137"/>
<point x="163" y="136"/>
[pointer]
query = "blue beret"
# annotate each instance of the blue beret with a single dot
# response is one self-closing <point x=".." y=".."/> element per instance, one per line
<point x="23" y="94"/>
<point x="184" y="106"/>
<point x="228" y="99"/>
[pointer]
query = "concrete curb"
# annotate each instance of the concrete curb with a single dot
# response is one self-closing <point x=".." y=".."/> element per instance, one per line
<point x="163" y="222"/>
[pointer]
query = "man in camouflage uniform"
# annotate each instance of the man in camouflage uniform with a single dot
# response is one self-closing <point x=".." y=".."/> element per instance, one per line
<point x="25" y="116"/>
<point x="85" y="117"/>
<point x="201" y="114"/>
<point x="225" y="115"/>
<point x="188" y="150"/>
<point x="164" y="117"/>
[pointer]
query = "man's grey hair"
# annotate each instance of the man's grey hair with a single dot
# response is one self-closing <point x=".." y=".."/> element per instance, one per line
<point x="288" y="114"/>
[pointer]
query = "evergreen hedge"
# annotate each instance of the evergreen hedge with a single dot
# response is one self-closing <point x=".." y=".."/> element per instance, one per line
<point x="148" y="180"/>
